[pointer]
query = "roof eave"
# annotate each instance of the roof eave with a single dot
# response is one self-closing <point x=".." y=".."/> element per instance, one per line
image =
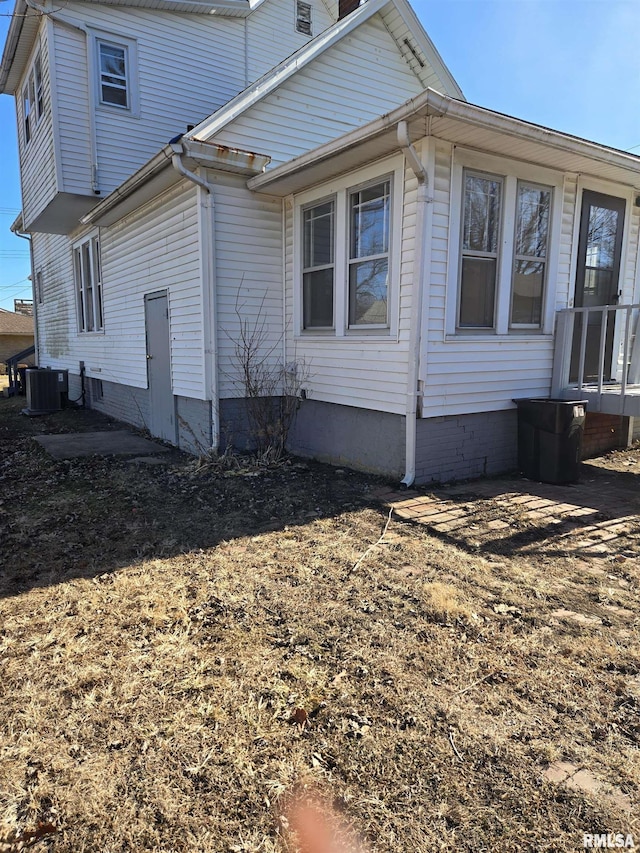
<point x="289" y="177"/>
<point x="198" y="154"/>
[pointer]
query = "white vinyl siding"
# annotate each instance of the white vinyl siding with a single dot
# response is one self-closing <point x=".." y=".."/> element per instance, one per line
<point x="73" y="104"/>
<point x="187" y="67"/>
<point x="248" y="283"/>
<point x="466" y="374"/>
<point x="154" y="249"/>
<point x="350" y="84"/>
<point x="37" y="157"/>
<point x="274" y="23"/>
<point x="365" y="372"/>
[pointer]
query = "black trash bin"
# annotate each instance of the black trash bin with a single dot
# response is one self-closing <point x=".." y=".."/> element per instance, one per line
<point x="550" y="439"/>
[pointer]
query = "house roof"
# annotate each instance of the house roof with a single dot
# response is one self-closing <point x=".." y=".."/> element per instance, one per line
<point x="274" y="78"/>
<point x="463" y="124"/>
<point x="15" y="324"/>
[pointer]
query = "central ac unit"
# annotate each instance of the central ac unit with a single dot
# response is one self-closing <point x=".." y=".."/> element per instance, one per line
<point x="43" y="392"/>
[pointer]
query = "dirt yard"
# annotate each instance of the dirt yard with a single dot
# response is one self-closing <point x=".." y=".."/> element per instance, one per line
<point x="182" y="647"/>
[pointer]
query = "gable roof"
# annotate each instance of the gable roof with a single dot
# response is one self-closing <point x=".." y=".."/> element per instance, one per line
<point x="15" y="324"/>
<point x="280" y="73"/>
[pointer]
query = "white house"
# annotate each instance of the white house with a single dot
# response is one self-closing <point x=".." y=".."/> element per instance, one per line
<point x="311" y="174"/>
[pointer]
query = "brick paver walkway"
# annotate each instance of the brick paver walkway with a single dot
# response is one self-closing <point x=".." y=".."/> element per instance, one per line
<point x="598" y="517"/>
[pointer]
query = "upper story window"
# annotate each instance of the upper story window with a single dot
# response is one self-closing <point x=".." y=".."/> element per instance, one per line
<point x="303" y="18"/>
<point x="114" y="78"/>
<point x="33" y="99"/>
<point x="115" y="63"/>
<point x="505" y="258"/>
<point x="347" y="256"/>
<point x="88" y="281"/>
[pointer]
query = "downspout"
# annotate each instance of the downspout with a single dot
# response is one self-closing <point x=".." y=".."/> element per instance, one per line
<point x="55" y="16"/>
<point x="34" y="293"/>
<point x="209" y="309"/>
<point x="418" y="285"/>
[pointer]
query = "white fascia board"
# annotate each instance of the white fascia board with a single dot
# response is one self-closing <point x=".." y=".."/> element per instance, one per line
<point x="21" y="36"/>
<point x="235" y="8"/>
<point x="289" y="177"/>
<point x="482" y="117"/>
<point x="428" y="48"/>
<point x="282" y="72"/>
<point x="146" y="183"/>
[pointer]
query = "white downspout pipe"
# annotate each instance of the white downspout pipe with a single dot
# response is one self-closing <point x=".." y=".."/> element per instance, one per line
<point x="34" y="292"/>
<point x="208" y="267"/>
<point x="418" y="285"/>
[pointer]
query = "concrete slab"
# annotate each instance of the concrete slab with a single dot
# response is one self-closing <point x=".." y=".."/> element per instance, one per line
<point x="112" y="443"/>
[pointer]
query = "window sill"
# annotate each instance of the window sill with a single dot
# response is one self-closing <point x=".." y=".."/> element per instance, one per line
<point x="378" y="337"/>
<point x="486" y="337"/>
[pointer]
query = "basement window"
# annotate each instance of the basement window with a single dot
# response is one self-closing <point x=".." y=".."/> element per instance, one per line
<point x="303" y="18"/>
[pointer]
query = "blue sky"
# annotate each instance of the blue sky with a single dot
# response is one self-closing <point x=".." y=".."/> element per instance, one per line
<point x="573" y="65"/>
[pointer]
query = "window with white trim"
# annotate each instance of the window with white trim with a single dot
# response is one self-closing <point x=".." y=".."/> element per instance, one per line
<point x="88" y="283"/>
<point x="318" y="265"/>
<point x="33" y="99"/>
<point x="533" y="214"/>
<point x="370" y="231"/>
<point x="480" y="245"/>
<point x="508" y="215"/>
<point x="347" y="256"/>
<point x="115" y="62"/>
<point x="114" y="74"/>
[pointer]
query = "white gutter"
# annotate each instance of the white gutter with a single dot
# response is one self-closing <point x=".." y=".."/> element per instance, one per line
<point x="417" y="289"/>
<point x="207" y="237"/>
<point x="432" y="103"/>
<point x="206" y="154"/>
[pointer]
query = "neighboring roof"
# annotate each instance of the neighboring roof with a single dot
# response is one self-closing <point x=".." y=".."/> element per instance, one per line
<point x="451" y="120"/>
<point x="284" y="70"/>
<point x="15" y="324"/>
<point x="25" y="22"/>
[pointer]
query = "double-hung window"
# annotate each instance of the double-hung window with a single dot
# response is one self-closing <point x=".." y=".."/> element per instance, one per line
<point x="114" y="74"/>
<point x="88" y="281"/>
<point x="369" y="225"/>
<point x="533" y="212"/>
<point x="347" y="257"/>
<point x="33" y="99"/>
<point x="115" y="63"/>
<point x="318" y="265"/>
<point x="480" y="248"/>
<point x="508" y="218"/>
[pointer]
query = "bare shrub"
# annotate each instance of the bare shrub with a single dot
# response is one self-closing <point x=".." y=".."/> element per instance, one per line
<point x="272" y="389"/>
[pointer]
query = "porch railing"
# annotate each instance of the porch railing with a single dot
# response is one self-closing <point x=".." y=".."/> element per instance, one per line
<point x="619" y="333"/>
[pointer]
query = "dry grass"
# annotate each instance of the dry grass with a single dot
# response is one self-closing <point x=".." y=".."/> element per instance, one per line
<point x="161" y="629"/>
